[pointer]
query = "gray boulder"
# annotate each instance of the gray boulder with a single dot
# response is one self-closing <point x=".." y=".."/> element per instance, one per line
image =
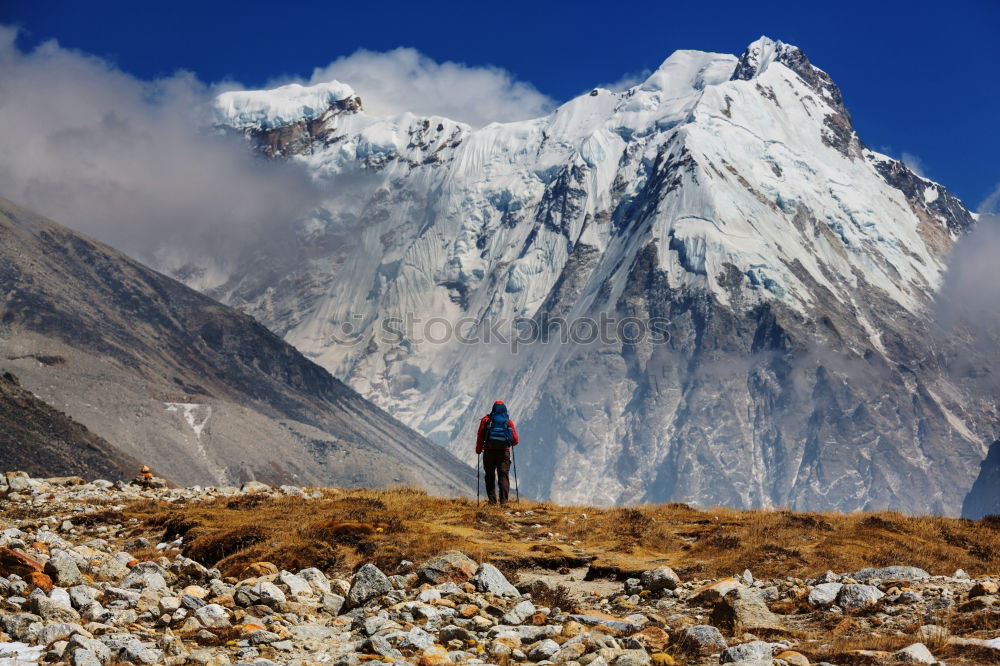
<point x="894" y="572"/>
<point x="450" y="566"/>
<point x="489" y="579"/>
<point x="660" y="578"/>
<point x="317" y="579"/>
<point x="632" y="658"/>
<point x="264" y="594"/>
<point x="369" y="582"/>
<point x="63" y="569"/>
<point x="915" y="654"/>
<point x="824" y="594"/>
<point x="543" y="650"/>
<point x="702" y="639"/>
<point x="212" y="616"/>
<point x="91" y="645"/>
<point x="519" y="613"/>
<point x="83" y="657"/>
<point x="854" y="596"/>
<point x="743" y="609"/>
<point x="754" y="650"/>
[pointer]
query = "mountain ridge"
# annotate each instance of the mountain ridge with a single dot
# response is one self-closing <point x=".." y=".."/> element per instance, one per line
<point x="201" y="393"/>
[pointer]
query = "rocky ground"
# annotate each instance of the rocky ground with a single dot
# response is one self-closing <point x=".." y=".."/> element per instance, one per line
<point x="79" y="588"/>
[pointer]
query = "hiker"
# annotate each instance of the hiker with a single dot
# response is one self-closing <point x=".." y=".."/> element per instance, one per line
<point x="495" y="437"/>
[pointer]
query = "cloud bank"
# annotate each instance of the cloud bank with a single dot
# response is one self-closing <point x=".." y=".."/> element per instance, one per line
<point x="135" y="163"/>
<point x="405" y="80"/>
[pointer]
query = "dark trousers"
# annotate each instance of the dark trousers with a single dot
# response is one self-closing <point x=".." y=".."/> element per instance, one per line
<point x="496" y="464"/>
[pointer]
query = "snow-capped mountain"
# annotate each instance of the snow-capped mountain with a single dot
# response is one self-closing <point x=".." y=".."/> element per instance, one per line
<point x="780" y="268"/>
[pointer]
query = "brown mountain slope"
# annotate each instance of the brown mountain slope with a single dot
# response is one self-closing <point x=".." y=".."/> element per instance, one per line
<point x="197" y="390"/>
<point x="43" y="441"/>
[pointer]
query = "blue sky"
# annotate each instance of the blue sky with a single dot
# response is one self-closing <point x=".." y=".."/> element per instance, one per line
<point x="919" y="77"/>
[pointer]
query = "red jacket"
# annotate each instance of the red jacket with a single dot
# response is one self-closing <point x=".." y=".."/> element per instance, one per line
<point x="481" y="435"/>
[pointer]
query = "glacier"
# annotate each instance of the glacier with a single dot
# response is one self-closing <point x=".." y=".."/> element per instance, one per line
<point x="727" y="195"/>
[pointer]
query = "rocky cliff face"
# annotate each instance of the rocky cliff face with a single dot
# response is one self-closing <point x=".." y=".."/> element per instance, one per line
<point x="984" y="498"/>
<point x="200" y="392"/>
<point x="726" y="204"/>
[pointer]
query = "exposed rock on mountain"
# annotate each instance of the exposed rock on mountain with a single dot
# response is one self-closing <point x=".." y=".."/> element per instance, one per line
<point x="41" y="440"/>
<point x="198" y="391"/>
<point x="725" y="201"/>
<point x="984" y="498"/>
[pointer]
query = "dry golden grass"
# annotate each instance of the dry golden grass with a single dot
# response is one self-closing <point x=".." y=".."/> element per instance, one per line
<point x="347" y="527"/>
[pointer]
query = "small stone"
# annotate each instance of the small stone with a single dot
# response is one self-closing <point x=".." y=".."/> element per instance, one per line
<point x="489" y="579"/>
<point x="63" y="569"/>
<point x="754" y="650"/>
<point x="714" y="592"/>
<point x="450" y="566"/>
<point x="824" y="594"/>
<point x="434" y="656"/>
<point x="653" y="639"/>
<point x="983" y="588"/>
<point x="744" y="610"/>
<point x="702" y="639"/>
<point x="915" y="654"/>
<point x="297" y="586"/>
<point x="54" y="611"/>
<point x="792" y="658"/>
<point x="632" y="658"/>
<point x="977" y="603"/>
<point x="317" y="579"/>
<point x="258" y="569"/>
<point x="369" y="582"/>
<point x="855" y="596"/>
<point x="519" y="613"/>
<point x="40" y="580"/>
<point x="543" y="650"/>
<point x="262" y="637"/>
<point x="212" y="616"/>
<point x="265" y="593"/>
<point x="332" y="603"/>
<point x="95" y="647"/>
<point x="83" y="657"/>
<point x="660" y="578"/>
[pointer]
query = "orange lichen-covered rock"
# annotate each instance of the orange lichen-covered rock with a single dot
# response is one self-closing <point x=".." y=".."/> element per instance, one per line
<point x="793" y="658"/>
<point x="41" y="581"/>
<point x="713" y="592"/>
<point x="434" y="656"/>
<point x="258" y="569"/>
<point x="13" y="562"/>
<point x="653" y="639"/>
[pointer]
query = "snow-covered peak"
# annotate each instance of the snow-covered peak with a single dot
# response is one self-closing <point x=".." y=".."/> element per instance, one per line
<point x="760" y="54"/>
<point x="265" y="109"/>
<point x="684" y="71"/>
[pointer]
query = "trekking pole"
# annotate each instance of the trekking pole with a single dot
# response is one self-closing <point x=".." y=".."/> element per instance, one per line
<point x="517" y="488"/>
<point x="478" y="456"/>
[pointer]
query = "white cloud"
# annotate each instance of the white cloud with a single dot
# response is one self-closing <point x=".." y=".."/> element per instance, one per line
<point x="991" y="204"/>
<point x="627" y="81"/>
<point x="915" y="164"/>
<point x="131" y="162"/>
<point x="406" y="80"/>
<point x="127" y="161"/>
